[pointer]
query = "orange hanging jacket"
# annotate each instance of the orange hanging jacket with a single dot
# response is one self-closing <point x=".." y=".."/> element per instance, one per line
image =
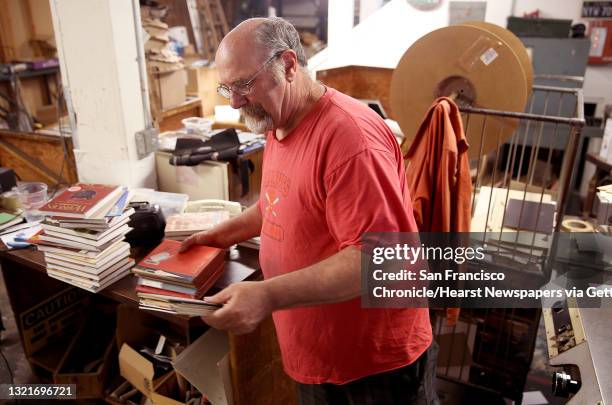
<point x="438" y="175"/>
<point x="438" y="171"/>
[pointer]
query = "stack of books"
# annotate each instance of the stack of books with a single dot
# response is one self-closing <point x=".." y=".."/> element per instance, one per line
<point x="82" y="236"/>
<point x="176" y="305"/>
<point x="173" y="282"/>
<point x="181" y="226"/>
<point x="8" y="221"/>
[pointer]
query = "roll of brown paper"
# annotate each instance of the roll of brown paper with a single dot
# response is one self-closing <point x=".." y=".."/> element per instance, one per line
<point x="470" y="63"/>
<point x="514" y="43"/>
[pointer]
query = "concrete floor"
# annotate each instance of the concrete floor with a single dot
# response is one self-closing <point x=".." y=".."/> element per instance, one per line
<point x="11" y="345"/>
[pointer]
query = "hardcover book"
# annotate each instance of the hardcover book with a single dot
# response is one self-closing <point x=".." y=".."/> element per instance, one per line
<point x="194" y="266"/>
<point x="83" y="201"/>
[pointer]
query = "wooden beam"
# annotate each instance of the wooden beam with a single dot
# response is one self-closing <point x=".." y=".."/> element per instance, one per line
<point x="38" y="157"/>
<point x="27" y="12"/>
<point x="6" y="33"/>
<point x="31" y="162"/>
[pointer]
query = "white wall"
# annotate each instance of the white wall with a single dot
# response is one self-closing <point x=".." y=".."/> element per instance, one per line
<point x="562" y="9"/>
<point x="598" y="78"/>
<point x="97" y="52"/>
<point x="381" y="39"/>
<point x="342" y="13"/>
<point x="368" y="7"/>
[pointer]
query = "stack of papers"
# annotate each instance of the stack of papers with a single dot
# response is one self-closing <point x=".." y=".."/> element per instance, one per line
<point x="181" y="226"/>
<point x="176" y="305"/>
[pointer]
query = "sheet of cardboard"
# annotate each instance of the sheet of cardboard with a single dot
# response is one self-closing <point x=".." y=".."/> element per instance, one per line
<point x="139" y="372"/>
<point x="226" y="377"/>
<point x="131" y="328"/>
<point x="198" y="364"/>
<point x="136" y="369"/>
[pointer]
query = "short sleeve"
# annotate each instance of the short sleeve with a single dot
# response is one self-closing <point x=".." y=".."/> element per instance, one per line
<point x="364" y="195"/>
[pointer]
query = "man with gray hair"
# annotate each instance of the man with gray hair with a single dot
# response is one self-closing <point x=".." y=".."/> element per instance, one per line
<point x="332" y="171"/>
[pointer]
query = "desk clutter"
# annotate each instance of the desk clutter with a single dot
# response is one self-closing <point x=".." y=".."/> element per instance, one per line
<point x="88" y="233"/>
<point x="207" y="143"/>
<point x="127" y="354"/>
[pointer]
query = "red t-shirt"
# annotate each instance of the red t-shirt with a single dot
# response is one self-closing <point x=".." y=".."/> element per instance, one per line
<point x="337" y="175"/>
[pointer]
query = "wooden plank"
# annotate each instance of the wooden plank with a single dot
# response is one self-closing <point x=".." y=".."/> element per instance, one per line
<point x="38" y="157"/>
<point x="29" y="24"/>
<point x="178" y="15"/>
<point x="20" y="31"/>
<point x="221" y="17"/>
<point x="599" y="162"/>
<point x="6" y="33"/>
<point x="35" y="165"/>
<point x="363" y="82"/>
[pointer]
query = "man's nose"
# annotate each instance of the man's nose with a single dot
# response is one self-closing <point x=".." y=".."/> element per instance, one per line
<point x="237" y="101"/>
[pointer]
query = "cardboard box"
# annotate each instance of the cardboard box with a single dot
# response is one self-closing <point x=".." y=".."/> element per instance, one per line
<point x="52" y="319"/>
<point x="208" y="180"/>
<point x="170" y="88"/>
<point x="135" y="327"/>
<point x="204" y="364"/>
<point x="139" y="372"/>
<point x="47" y="114"/>
<point x="203" y="82"/>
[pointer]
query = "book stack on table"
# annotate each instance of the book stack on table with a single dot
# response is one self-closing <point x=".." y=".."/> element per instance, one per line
<point x="173" y="282"/>
<point x="83" y="234"/>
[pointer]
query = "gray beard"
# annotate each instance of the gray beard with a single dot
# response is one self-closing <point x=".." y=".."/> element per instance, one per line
<point x="257" y="119"/>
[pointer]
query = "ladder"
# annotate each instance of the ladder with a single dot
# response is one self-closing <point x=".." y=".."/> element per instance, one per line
<point x="213" y="25"/>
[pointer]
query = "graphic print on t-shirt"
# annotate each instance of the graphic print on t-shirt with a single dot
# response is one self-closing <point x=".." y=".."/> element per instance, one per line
<point x="275" y="189"/>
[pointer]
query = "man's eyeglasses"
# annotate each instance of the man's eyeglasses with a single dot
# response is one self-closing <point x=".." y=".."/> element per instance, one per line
<point x="244" y="88"/>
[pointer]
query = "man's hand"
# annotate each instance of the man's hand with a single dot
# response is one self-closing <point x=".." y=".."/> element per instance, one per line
<point x="200" y="238"/>
<point x="245" y="305"/>
<point x="236" y="229"/>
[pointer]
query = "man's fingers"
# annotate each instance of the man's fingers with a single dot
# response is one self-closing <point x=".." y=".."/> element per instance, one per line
<point x="219" y="319"/>
<point x="219" y="298"/>
<point x="187" y="243"/>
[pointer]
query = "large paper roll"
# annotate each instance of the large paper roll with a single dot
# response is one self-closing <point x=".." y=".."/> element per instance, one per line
<point x="474" y="65"/>
<point x="513" y="42"/>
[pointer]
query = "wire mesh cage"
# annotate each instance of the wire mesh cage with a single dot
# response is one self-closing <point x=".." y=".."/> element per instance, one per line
<point x="522" y="180"/>
<point x="522" y="186"/>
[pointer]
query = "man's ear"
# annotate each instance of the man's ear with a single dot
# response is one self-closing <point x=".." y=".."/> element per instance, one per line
<point x="291" y="64"/>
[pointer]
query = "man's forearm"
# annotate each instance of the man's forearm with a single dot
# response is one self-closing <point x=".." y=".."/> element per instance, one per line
<point x="237" y="229"/>
<point x="337" y="278"/>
